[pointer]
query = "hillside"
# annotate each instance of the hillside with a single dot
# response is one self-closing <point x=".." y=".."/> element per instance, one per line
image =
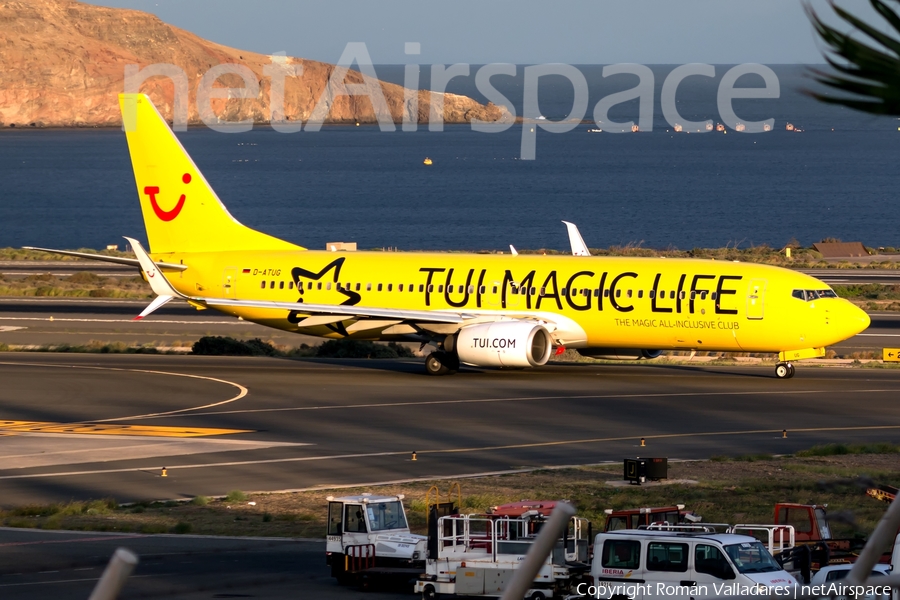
<point x="64" y="63"/>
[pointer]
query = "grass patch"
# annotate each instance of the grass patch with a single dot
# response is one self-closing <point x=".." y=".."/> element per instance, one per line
<point x="236" y="496"/>
<point x="844" y="449"/>
<point x="345" y="348"/>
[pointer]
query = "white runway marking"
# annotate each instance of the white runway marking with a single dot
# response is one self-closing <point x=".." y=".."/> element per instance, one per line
<point x="878" y="334"/>
<point x="523" y="399"/>
<point x="5" y="328"/>
<point x="242" y="391"/>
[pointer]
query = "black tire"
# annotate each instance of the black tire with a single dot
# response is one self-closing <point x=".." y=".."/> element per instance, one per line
<point x="428" y="593"/>
<point x="537" y="596"/>
<point x="435" y="364"/>
<point x="782" y="371"/>
<point x="791" y="370"/>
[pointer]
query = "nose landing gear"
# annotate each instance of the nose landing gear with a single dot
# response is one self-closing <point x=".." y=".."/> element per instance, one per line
<point x="784" y="370"/>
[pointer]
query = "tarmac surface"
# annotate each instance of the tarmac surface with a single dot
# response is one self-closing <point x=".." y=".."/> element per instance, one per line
<point x="92" y="426"/>
<point x="56" y="565"/>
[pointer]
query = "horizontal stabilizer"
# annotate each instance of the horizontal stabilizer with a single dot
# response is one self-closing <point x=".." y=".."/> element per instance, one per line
<point x="157" y="302"/>
<point x="119" y="260"/>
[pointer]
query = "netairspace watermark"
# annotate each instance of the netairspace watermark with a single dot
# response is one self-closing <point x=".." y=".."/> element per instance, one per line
<point x="668" y="590"/>
<point x="356" y="53"/>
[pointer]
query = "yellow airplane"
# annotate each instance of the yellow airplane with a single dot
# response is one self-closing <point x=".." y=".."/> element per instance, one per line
<point x="474" y="309"/>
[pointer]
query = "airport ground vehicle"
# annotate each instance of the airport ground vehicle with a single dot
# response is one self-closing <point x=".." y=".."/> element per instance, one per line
<point x="368" y="538"/>
<point x="477" y="555"/>
<point x="836" y="573"/>
<point x="680" y="564"/>
<point x="486" y="310"/>
<point x="633" y="518"/>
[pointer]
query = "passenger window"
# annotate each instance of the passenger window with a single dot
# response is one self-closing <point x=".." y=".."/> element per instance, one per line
<point x="532" y="290"/>
<point x="481" y="290"/>
<point x="271" y="285"/>
<point x="368" y="287"/>
<point x="291" y="285"/>
<point x="262" y="285"/>
<point x="328" y="286"/>
<point x="672" y="295"/>
<point x="596" y="293"/>
<point x="379" y="287"/>
<point x="357" y="287"/>
<point x="713" y="296"/>
<point x="471" y="289"/>
<point x="462" y="289"/>
<point x="711" y="561"/>
<point x="440" y="289"/>
<point x="430" y="288"/>
<point x="662" y="556"/>
<point x="280" y="285"/>
<point x="652" y="294"/>
<point x="606" y="293"/>
<point x="564" y="292"/>
<point x="640" y="293"/>
<point x="681" y="295"/>
<point x="494" y="290"/>
<point x="421" y="287"/>
<point x="628" y="293"/>
<point x="390" y="287"/>
<point x="319" y="286"/>
<point x="400" y="287"/>
<point x="621" y="554"/>
<point x="618" y="293"/>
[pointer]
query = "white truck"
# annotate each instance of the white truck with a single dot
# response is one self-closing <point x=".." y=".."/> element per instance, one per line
<point x="648" y="564"/>
<point x="368" y="538"/>
<point x="477" y="555"/>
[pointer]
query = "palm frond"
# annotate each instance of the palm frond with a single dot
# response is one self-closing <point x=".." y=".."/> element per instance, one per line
<point x="869" y="71"/>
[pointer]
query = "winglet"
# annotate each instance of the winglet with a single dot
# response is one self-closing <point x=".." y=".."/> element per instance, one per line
<point x="512" y="250"/>
<point x="579" y="248"/>
<point x="158" y="282"/>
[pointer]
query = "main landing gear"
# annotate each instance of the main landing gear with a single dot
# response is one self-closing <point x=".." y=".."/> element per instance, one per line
<point x="441" y="363"/>
<point x="784" y="370"/>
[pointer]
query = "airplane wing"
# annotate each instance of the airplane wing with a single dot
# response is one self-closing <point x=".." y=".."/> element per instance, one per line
<point x="579" y="248"/>
<point x="131" y="262"/>
<point x="419" y="316"/>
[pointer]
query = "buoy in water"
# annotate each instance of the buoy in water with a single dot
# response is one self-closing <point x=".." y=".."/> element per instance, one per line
<point x="427" y="161"/>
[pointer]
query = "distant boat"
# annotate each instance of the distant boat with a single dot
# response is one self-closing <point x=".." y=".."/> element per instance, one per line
<point x="767" y="127"/>
<point x="677" y="128"/>
<point x="789" y="126"/>
<point x="740" y="127"/>
<point x="709" y="126"/>
<point x="427" y="161"/>
<point x="720" y="127"/>
<point x="635" y="128"/>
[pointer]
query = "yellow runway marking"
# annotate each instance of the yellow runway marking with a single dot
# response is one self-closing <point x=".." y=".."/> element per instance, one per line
<point x="12" y="427"/>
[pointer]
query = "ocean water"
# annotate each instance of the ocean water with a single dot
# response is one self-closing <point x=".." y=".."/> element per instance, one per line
<point x="839" y="178"/>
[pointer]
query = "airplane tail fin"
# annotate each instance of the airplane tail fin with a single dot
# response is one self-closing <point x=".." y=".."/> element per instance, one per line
<point x="181" y="211"/>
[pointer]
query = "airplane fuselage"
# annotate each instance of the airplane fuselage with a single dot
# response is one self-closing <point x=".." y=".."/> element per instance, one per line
<point x="594" y="302"/>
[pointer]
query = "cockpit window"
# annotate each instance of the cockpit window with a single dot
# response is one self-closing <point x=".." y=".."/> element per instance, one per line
<point x="810" y="295"/>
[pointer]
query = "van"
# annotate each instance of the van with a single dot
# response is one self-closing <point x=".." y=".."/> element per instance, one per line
<point x="645" y="564"/>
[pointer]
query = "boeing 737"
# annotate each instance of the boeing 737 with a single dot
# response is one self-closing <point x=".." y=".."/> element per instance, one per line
<point x="497" y="310"/>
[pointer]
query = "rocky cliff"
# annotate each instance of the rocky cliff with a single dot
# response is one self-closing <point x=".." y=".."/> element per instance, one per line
<point x="62" y="64"/>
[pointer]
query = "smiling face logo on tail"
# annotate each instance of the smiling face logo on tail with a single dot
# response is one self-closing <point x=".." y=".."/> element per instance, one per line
<point x="166" y="215"/>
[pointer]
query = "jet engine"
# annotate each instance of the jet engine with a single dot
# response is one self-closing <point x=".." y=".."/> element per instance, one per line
<point x="503" y="344"/>
<point x="619" y="353"/>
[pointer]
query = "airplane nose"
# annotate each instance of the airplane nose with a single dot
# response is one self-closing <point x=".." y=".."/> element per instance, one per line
<point x="854" y="320"/>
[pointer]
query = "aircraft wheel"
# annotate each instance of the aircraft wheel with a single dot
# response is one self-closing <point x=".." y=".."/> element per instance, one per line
<point x="784" y="370"/>
<point x="436" y="364"/>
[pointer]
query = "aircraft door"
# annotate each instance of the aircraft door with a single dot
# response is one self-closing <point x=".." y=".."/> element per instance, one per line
<point x="229" y="282"/>
<point x="756" y="293"/>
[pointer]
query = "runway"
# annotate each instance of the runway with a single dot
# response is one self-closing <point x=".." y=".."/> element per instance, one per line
<point x="317" y="423"/>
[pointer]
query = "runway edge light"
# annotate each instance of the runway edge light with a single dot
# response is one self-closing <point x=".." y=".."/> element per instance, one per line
<point x="891" y="355"/>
